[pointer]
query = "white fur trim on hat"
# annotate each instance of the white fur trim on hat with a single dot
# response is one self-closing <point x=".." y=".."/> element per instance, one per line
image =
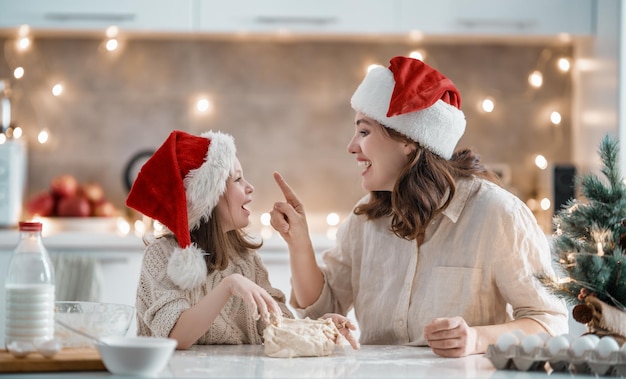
<point x="187" y="267"/>
<point x="206" y="184"/>
<point x="437" y="128"/>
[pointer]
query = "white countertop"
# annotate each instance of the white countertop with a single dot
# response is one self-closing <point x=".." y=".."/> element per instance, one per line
<point x="389" y="362"/>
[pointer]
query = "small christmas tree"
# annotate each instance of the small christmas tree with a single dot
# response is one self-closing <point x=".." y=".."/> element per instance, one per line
<point x="589" y="246"/>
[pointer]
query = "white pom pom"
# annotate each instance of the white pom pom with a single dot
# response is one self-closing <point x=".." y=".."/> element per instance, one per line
<point x="187" y="267"/>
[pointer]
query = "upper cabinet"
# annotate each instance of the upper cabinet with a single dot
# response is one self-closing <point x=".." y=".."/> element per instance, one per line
<point x="314" y="17"/>
<point x="299" y="17"/>
<point x="77" y="15"/>
<point x="498" y="17"/>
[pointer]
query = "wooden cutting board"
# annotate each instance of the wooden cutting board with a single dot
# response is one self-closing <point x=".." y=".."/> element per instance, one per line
<point x="68" y="359"/>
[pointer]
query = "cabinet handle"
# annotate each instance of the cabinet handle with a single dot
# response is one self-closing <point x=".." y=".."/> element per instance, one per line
<point x="303" y="20"/>
<point x="494" y="23"/>
<point x="104" y="17"/>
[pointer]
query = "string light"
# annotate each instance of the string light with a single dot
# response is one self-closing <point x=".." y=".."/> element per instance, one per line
<point x="488" y="104"/>
<point x="332" y="219"/>
<point x="541" y="162"/>
<point x="563" y="64"/>
<point x="416" y="54"/>
<point x="372" y="66"/>
<point x="18" y="73"/>
<point x="535" y="79"/>
<point x="57" y="89"/>
<point x="555" y="118"/>
<point x="111" y="44"/>
<point x="545" y="203"/>
<point x="43" y="136"/>
<point x="17" y="132"/>
<point x="265" y="219"/>
<point x="204" y="105"/>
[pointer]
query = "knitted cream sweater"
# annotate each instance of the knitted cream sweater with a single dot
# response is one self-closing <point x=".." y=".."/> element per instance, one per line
<point x="160" y="302"/>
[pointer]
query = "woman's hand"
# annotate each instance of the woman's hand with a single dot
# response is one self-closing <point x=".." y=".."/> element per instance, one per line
<point x="288" y="217"/>
<point x="344" y="325"/>
<point x="451" y="337"/>
<point x="254" y="295"/>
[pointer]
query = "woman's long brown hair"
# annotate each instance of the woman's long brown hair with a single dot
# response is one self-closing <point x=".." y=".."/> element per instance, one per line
<point x="210" y="237"/>
<point x="424" y="189"/>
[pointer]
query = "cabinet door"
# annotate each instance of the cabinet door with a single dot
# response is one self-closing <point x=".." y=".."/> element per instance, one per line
<point x="300" y="17"/>
<point x="498" y="17"/>
<point x="77" y="15"/>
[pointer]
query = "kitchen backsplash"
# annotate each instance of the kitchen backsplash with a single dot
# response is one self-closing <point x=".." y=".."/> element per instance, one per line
<point x="285" y="102"/>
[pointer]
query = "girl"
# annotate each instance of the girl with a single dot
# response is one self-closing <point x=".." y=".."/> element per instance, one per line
<point x="202" y="282"/>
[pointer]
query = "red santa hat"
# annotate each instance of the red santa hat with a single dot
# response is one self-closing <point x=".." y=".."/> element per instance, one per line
<point x="416" y="100"/>
<point x="179" y="186"/>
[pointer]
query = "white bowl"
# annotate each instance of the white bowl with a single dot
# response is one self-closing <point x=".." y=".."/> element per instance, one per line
<point x="136" y="356"/>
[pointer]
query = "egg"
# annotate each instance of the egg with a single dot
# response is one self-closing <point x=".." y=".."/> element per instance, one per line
<point x="531" y="342"/>
<point x="519" y="333"/>
<point x="606" y="346"/>
<point x="582" y="344"/>
<point x="506" y="340"/>
<point x="544" y="336"/>
<point x="557" y="344"/>
<point x="593" y="338"/>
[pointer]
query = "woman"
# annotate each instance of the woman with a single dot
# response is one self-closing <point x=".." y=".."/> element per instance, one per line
<point x="436" y="254"/>
<point x="202" y="282"/>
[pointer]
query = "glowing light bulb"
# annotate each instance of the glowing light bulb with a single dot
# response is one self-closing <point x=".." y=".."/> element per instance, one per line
<point x="265" y="219"/>
<point x="57" y="89"/>
<point x="332" y="219"/>
<point x="18" y="73"/>
<point x="23" y="43"/>
<point x="111" y="44"/>
<point x="17" y="132"/>
<point x="42" y="137"/>
<point x="112" y="31"/>
<point x="535" y="79"/>
<point x="204" y="105"/>
<point x="488" y="105"/>
<point x="564" y="64"/>
<point x="555" y="118"/>
<point x="541" y="162"/>
<point x="416" y="54"/>
<point x="545" y="203"/>
<point x="3" y="138"/>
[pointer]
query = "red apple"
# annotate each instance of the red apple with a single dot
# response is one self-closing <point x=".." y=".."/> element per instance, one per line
<point x="103" y="208"/>
<point x="92" y="191"/>
<point x="64" y="186"/>
<point x="42" y="204"/>
<point x="73" y="206"/>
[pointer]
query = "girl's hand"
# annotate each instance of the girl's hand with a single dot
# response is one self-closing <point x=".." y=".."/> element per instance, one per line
<point x="344" y="325"/>
<point x="254" y="295"/>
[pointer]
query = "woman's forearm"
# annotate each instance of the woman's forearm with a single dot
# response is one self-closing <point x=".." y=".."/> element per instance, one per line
<point x="306" y="277"/>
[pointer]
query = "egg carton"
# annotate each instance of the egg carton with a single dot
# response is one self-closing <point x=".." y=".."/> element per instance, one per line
<point x="540" y="359"/>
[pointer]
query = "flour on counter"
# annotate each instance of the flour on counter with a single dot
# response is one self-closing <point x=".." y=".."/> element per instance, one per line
<point x="300" y="338"/>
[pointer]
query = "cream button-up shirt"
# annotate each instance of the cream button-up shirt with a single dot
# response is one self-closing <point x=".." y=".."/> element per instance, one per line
<point x="479" y="261"/>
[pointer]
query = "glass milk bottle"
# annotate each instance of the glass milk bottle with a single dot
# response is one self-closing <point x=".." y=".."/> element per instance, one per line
<point x="29" y="290"/>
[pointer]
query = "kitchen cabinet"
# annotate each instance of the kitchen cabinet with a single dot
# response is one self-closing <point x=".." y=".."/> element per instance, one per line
<point x="506" y="18"/>
<point x="298" y="17"/>
<point x="497" y="17"/>
<point x="76" y="15"/>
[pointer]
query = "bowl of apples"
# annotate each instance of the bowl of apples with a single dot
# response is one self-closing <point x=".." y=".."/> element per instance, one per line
<point x="68" y="205"/>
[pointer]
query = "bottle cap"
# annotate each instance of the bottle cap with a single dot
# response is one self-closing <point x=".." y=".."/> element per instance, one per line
<point x="30" y="226"/>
